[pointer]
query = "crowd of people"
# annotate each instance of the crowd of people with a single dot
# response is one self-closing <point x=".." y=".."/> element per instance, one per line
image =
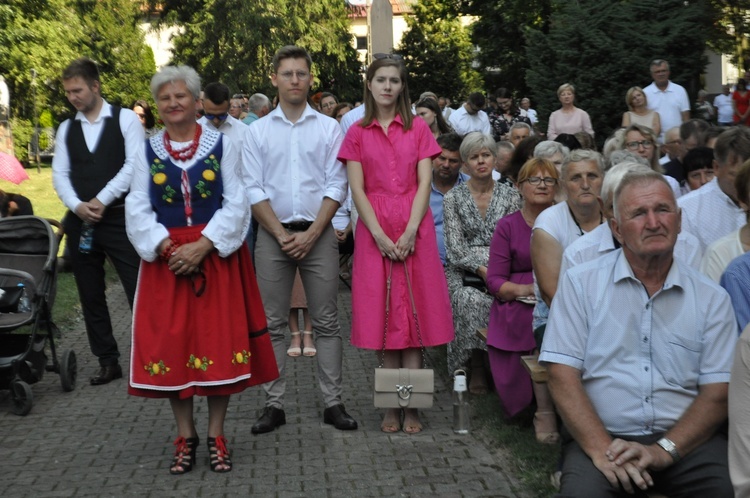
<point x="610" y="265"/>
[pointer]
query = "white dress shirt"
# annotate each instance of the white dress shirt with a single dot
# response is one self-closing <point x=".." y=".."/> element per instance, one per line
<point x="228" y="226"/>
<point x="352" y="117"/>
<point x="599" y="242"/>
<point x="294" y="165"/>
<point x="462" y="122"/>
<point x="723" y="104"/>
<point x="709" y="214"/>
<point x="132" y="133"/>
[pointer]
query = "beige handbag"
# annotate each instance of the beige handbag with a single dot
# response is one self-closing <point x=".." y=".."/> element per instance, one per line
<point x="403" y="387"/>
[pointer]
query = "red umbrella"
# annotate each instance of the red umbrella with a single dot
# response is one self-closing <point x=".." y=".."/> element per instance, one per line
<point x="11" y="169"/>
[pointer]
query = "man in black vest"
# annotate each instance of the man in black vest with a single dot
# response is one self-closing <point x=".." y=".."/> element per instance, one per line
<point x="92" y="169"/>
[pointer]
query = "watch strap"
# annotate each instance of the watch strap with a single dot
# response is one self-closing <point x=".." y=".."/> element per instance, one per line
<point x="669" y="446"/>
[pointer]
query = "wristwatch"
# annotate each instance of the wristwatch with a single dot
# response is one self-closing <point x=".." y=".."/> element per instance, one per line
<point x="669" y="446"/>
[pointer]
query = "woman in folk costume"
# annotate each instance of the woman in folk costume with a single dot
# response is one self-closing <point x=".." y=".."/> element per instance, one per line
<point x="198" y="327"/>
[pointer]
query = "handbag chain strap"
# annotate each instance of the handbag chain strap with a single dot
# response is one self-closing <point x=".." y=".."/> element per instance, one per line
<point x="388" y="312"/>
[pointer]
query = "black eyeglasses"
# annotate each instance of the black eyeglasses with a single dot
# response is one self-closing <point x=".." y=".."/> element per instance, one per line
<point x="381" y="55"/>
<point x="221" y="117"/>
<point x="646" y="144"/>
<point x="535" y="180"/>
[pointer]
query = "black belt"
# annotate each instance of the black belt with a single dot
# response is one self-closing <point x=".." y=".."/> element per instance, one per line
<point x="297" y="226"/>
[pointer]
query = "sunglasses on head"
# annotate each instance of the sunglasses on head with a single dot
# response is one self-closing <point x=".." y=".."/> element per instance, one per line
<point x="379" y="56"/>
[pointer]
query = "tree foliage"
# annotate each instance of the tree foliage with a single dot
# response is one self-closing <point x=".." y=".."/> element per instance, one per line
<point x="500" y="33"/>
<point x="732" y="30"/>
<point x="603" y="47"/>
<point x="233" y="41"/>
<point x="438" y="52"/>
<point x="45" y="35"/>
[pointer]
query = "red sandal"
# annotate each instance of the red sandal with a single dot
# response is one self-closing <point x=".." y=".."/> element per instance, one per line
<point x="219" y="454"/>
<point x="184" y="455"/>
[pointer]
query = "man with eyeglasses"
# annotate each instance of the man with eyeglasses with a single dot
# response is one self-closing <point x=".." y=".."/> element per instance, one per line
<point x="666" y="97"/>
<point x="713" y="211"/>
<point x="470" y="116"/>
<point x="235" y="107"/>
<point x="297" y="184"/>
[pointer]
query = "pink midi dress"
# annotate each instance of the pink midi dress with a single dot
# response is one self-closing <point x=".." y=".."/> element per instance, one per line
<point x="389" y="165"/>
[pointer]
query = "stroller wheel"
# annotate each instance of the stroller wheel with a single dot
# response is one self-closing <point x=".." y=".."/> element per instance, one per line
<point x="68" y="370"/>
<point x="22" y="398"/>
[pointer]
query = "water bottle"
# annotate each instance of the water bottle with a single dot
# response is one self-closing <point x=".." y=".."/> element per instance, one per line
<point x="87" y="238"/>
<point x="24" y="304"/>
<point x="460" y="403"/>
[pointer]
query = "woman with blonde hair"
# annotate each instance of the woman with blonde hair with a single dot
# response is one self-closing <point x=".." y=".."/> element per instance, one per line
<point x="641" y="140"/>
<point x="569" y="118"/>
<point x="638" y="112"/>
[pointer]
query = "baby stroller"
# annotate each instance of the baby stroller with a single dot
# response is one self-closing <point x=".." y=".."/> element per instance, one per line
<point x="28" y="278"/>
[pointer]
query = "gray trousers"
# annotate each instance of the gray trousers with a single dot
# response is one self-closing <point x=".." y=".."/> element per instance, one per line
<point x="319" y="271"/>
<point x="703" y="472"/>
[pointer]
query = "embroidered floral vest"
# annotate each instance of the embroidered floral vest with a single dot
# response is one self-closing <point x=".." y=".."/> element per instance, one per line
<point x="203" y="177"/>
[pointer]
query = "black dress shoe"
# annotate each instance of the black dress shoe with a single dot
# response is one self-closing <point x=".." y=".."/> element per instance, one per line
<point x="337" y="416"/>
<point x="106" y="375"/>
<point x="271" y="418"/>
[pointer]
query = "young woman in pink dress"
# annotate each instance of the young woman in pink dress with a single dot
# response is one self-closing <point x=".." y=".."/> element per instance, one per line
<point x="389" y="162"/>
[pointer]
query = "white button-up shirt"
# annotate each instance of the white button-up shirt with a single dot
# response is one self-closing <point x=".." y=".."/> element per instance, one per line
<point x="709" y="214"/>
<point x="133" y="135"/>
<point x="642" y="359"/>
<point x="294" y="165"/>
<point x="462" y="122"/>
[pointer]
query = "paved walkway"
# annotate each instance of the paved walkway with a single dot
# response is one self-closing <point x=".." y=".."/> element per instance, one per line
<point x="98" y="441"/>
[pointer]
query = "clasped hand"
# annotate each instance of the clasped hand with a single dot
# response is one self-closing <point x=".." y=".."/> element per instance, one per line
<point x="627" y="462"/>
<point x="186" y="259"/>
<point x="398" y="251"/>
<point x="90" y="212"/>
<point x="297" y="245"/>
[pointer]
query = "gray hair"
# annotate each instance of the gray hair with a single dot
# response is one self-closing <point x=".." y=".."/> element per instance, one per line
<point x="549" y="148"/>
<point x="581" y="155"/>
<point x="258" y="101"/>
<point x="517" y="125"/>
<point x="616" y="174"/>
<point x="504" y="144"/>
<point x="171" y="74"/>
<point x="642" y="177"/>
<point x="611" y="144"/>
<point x="658" y="62"/>
<point x="623" y="155"/>
<point x="474" y="142"/>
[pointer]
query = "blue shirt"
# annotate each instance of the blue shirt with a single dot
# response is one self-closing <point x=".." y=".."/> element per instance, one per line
<point x="436" y="206"/>
<point x="642" y="359"/>
<point x="736" y="281"/>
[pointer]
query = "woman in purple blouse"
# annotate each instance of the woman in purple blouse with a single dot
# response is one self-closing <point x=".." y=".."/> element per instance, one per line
<point x="509" y="279"/>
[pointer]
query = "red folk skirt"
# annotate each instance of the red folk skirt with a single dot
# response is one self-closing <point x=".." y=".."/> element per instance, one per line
<point x="215" y="344"/>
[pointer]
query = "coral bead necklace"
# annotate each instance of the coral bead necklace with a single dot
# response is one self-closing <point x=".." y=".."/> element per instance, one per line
<point x="189" y="151"/>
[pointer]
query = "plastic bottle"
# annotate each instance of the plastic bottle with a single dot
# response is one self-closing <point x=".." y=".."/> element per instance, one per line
<point x="24" y="304"/>
<point x="87" y="238"/>
<point x="460" y="403"/>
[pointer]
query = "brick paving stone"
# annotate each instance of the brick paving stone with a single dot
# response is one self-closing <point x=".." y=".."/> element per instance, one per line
<point x="98" y="441"/>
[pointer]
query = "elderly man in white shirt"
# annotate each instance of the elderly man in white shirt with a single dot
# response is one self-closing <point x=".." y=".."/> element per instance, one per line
<point x="638" y="350"/>
<point x="470" y="116"/>
<point x="712" y="211"/>
<point x="667" y="98"/>
<point x="297" y="184"/>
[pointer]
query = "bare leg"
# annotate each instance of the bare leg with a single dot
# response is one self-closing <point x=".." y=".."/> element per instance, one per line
<point x="183" y="415"/>
<point x="412" y="358"/>
<point x="392" y="419"/>
<point x="217" y="411"/>
<point x="295" y="344"/>
<point x="545" y="419"/>
<point x="307" y="337"/>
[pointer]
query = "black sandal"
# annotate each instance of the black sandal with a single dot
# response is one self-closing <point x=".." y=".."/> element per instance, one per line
<point x="219" y="454"/>
<point x="184" y="455"/>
